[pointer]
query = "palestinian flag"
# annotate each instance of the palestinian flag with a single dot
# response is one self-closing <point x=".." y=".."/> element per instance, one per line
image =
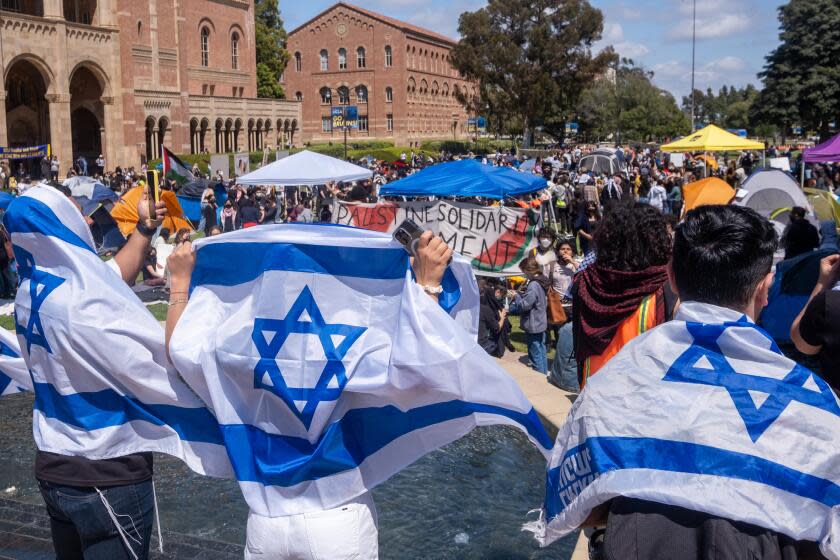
<point x="175" y="170"/>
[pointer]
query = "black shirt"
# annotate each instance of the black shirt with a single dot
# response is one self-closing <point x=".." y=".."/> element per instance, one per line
<point x="800" y="237"/>
<point x="820" y="326"/>
<point x="249" y="214"/>
<point x="78" y="471"/>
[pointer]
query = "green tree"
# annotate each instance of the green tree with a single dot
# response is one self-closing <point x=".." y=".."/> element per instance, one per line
<point x="536" y="55"/>
<point x="802" y="75"/>
<point x="630" y="105"/>
<point x="272" y="56"/>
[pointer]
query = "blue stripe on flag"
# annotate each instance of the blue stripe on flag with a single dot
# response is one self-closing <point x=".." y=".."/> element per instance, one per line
<point x="617" y="453"/>
<point x="28" y="215"/>
<point x="276" y="460"/>
<point x="448" y="299"/>
<point x="229" y="264"/>
<point x="101" y="409"/>
<point x="5" y="380"/>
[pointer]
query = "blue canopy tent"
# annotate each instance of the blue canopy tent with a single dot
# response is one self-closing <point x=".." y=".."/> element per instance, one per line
<point x="465" y="178"/>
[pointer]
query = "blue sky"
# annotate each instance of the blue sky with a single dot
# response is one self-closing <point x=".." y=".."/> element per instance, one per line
<point x="734" y="36"/>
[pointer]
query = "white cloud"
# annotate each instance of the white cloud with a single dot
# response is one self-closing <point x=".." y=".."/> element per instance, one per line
<point x="714" y="27"/>
<point x="710" y="6"/>
<point x="613" y="33"/>
<point x="670" y="69"/>
<point x="632" y="50"/>
<point x="728" y="64"/>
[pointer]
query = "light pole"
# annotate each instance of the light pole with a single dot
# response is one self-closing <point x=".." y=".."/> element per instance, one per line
<point x="693" y="47"/>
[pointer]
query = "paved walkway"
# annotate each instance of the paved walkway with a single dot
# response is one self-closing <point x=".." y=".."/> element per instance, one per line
<point x="552" y="405"/>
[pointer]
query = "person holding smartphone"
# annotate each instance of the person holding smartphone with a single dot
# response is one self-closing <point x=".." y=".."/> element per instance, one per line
<point x="80" y="493"/>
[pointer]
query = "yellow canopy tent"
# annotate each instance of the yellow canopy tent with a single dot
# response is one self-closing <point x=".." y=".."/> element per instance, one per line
<point x="712" y="139"/>
<point x="706" y="192"/>
<point x="125" y="214"/>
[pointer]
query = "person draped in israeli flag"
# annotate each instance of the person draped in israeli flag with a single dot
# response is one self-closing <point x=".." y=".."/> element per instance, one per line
<point x="14" y="375"/>
<point x="700" y="439"/>
<point x="105" y="397"/>
<point x="330" y="369"/>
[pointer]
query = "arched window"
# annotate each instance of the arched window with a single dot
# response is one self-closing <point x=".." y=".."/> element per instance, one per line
<point x="234" y="51"/>
<point x="326" y="96"/>
<point x="343" y="96"/>
<point x="325" y="60"/>
<point x="205" y="46"/>
<point x="342" y="59"/>
<point x="299" y="96"/>
<point x="389" y="57"/>
<point x="389" y="95"/>
<point x="361" y="94"/>
<point x="360" y="57"/>
<point x="298" y="62"/>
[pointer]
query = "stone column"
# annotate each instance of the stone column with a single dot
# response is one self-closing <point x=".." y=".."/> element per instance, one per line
<point x="54" y="9"/>
<point x="61" y="137"/>
<point x="110" y="148"/>
<point x="4" y="139"/>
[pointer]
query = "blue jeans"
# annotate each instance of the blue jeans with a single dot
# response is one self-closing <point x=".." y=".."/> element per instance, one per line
<point x="82" y="527"/>
<point x="564" y="366"/>
<point x="536" y="351"/>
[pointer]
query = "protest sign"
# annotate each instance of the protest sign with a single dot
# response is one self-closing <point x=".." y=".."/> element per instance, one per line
<point x="494" y="238"/>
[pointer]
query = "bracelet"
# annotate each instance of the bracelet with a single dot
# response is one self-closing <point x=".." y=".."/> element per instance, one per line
<point x="178" y="301"/>
<point x="144" y="230"/>
<point x="432" y="290"/>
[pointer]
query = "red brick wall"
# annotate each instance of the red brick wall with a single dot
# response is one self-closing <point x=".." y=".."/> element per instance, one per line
<point x="415" y="119"/>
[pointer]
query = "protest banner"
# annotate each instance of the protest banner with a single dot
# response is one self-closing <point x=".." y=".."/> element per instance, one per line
<point x="25" y="152"/>
<point x="494" y="238"/>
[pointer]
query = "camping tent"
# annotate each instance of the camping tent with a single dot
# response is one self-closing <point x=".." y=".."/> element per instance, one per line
<point x="712" y="139"/>
<point x="90" y="193"/>
<point x="772" y="193"/>
<point x="125" y="212"/>
<point x="601" y="161"/>
<point x="706" y="192"/>
<point x="189" y="197"/>
<point x="106" y="233"/>
<point x="825" y="205"/>
<point x="5" y="199"/>
<point x="305" y="168"/>
<point x="465" y="178"/>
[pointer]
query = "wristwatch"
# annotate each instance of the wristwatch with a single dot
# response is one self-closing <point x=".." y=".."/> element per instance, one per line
<point x="432" y="290"/>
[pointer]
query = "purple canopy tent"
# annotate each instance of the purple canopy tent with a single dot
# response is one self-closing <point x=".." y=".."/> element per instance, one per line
<point x="828" y="151"/>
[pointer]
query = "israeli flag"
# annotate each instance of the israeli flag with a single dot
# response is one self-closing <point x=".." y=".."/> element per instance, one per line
<point x="95" y="353"/>
<point x="327" y="367"/>
<point x="704" y="413"/>
<point x="14" y="376"/>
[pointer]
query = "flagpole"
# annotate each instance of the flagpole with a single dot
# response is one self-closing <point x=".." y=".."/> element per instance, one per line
<point x="693" y="48"/>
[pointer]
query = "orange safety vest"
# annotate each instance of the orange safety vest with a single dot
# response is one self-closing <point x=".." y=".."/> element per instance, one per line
<point x="639" y="322"/>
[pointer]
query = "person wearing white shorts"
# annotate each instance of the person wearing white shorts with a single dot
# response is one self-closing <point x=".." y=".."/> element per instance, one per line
<point x="345" y="532"/>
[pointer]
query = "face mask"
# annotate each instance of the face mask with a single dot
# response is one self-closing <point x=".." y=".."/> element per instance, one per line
<point x="545" y="243"/>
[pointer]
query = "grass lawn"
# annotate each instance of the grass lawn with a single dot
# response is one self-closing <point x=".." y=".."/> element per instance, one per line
<point x="517" y="336"/>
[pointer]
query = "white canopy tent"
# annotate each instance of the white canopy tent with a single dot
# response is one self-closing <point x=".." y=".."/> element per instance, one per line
<point x="305" y="168"/>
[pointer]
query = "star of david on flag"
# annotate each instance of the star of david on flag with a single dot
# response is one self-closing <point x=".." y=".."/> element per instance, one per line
<point x="269" y="336"/>
<point x="704" y="363"/>
<point x="41" y="285"/>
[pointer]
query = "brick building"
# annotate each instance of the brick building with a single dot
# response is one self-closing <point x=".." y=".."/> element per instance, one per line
<point x="122" y="78"/>
<point x="397" y="74"/>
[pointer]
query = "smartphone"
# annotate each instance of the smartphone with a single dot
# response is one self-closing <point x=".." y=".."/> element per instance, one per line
<point x="408" y="235"/>
<point x="153" y="182"/>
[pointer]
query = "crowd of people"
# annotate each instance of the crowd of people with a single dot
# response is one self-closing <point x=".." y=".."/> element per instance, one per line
<point x="611" y="262"/>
